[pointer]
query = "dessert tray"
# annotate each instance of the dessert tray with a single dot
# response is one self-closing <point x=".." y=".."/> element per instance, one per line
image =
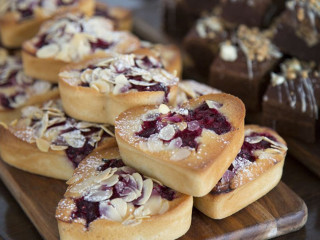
<point x="279" y="212"/>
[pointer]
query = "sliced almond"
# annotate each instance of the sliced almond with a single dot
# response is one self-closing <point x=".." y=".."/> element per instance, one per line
<point x="167" y="133"/>
<point x="163" y="109"/>
<point x="180" y="154"/>
<point x="42" y="145"/>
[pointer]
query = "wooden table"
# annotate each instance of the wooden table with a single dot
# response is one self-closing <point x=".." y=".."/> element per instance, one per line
<point x="15" y="225"/>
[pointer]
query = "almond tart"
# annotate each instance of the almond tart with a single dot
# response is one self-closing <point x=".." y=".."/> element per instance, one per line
<point x="99" y="90"/>
<point x="72" y="38"/>
<point x="108" y="200"/>
<point x="254" y="172"/>
<point x="45" y="141"/>
<point x="121" y="17"/>
<point x="187" y="148"/>
<point x="20" y="20"/>
<point x="17" y="90"/>
<point x="188" y="89"/>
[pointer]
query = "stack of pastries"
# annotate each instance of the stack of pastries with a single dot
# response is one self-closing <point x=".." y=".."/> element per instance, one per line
<point x="139" y="148"/>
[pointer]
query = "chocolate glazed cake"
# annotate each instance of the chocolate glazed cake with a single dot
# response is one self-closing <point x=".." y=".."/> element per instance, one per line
<point x="301" y="24"/>
<point x="243" y="65"/>
<point x="180" y="15"/>
<point x="203" y="40"/>
<point x="291" y="103"/>
<point x="254" y="13"/>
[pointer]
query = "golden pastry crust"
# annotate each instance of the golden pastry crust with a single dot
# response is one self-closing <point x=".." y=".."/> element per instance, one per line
<point x="89" y="104"/>
<point x="21" y="148"/>
<point x="249" y="184"/>
<point x="14" y="32"/>
<point x="196" y="173"/>
<point x="48" y="67"/>
<point x="122" y="17"/>
<point x="171" y="224"/>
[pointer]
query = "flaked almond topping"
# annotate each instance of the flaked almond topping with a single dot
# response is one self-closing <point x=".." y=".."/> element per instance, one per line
<point x="42" y="145"/>
<point x="167" y="132"/>
<point x="180" y="154"/>
<point x="49" y="124"/>
<point x="163" y="109"/>
<point x="123" y="74"/>
<point x="213" y="104"/>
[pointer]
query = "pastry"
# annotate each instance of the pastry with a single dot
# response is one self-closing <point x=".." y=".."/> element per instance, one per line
<point x="169" y="55"/>
<point x="298" y="30"/>
<point x="72" y="38"/>
<point x="20" y="20"/>
<point x="99" y="90"/>
<point x="244" y="64"/>
<point x="291" y="103"/>
<point x="108" y="200"/>
<point x="121" y="17"/>
<point x="18" y="90"/>
<point x="203" y="41"/>
<point x="253" y="13"/>
<point x="187" y="148"/>
<point x="45" y="141"/>
<point x="255" y="171"/>
<point x="188" y="89"/>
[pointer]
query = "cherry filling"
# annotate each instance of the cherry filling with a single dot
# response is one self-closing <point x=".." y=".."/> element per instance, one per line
<point x="86" y="210"/>
<point x="90" y="210"/>
<point x="246" y="154"/>
<point x="6" y="101"/>
<point x="114" y="163"/>
<point x="198" y="119"/>
<point x="101" y="44"/>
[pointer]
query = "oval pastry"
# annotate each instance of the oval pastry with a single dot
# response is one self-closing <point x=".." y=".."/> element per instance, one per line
<point x="187" y="148"/>
<point x="254" y="172"/>
<point x="17" y="90"/>
<point x="20" y="20"/>
<point x="108" y="200"/>
<point x="99" y="90"/>
<point x="45" y="141"/>
<point x="72" y="38"/>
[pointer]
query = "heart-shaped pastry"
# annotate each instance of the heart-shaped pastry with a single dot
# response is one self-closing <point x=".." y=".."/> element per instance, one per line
<point x="187" y="148"/>
<point x="45" y="141"/>
<point x="107" y="198"/>
<point x="254" y="172"/>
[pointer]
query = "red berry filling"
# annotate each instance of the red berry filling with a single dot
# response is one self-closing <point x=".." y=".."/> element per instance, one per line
<point x="76" y="155"/>
<point x="90" y="210"/>
<point x="86" y="210"/>
<point x="244" y="157"/>
<point x="197" y="119"/>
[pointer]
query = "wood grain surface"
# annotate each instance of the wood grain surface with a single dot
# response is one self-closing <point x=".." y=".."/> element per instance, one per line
<point x="279" y="212"/>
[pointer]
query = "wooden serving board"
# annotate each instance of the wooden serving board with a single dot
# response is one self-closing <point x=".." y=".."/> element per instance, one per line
<point x="279" y="212"/>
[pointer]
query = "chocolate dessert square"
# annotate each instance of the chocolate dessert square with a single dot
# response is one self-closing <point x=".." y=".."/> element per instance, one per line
<point x="202" y="42"/>
<point x="180" y="15"/>
<point x="243" y="66"/>
<point x="298" y="30"/>
<point x="253" y="13"/>
<point x="291" y="103"/>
